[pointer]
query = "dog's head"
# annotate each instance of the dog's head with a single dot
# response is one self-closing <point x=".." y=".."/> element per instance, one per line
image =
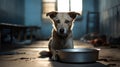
<point x="62" y="22"/>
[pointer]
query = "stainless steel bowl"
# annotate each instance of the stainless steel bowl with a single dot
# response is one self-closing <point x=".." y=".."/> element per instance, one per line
<point x="78" y="55"/>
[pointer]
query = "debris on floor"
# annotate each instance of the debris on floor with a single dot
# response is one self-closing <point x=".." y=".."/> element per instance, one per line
<point x="29" y="56"/>
<point x="11" y="53"/>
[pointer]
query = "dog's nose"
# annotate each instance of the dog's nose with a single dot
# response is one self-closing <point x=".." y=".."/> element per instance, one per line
<point x="61" y="30"/>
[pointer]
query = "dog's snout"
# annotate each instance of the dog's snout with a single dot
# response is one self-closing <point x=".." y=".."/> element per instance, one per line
<point x="61" y="30"/>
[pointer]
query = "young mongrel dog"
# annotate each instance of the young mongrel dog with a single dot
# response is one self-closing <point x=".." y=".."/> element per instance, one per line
<point x="62" y="31"/>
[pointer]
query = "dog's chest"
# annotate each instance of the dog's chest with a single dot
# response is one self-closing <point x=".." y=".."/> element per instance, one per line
<point x="63" y="42"/>
<point x="60" y="44"/>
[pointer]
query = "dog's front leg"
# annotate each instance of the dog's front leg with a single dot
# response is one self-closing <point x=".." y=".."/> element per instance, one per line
<point x="52" y="50"/>
<point x="54" y="55"/>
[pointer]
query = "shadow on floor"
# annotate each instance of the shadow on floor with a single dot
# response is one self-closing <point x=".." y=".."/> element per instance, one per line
<point x="58" y="64"/>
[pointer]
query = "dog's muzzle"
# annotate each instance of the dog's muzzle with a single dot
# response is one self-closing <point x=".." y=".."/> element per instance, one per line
<point x="62" y="31"/>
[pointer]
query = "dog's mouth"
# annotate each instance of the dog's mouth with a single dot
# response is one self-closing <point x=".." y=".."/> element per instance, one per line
<point x="62" y="35"/>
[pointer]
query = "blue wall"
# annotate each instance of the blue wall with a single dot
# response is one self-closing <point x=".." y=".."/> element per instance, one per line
<point x="79" y="28"/>
<point x="110" y="17"/>
<point x="29" y="12"/>
<point x="12" y="11"/>
<point x="33" y="12"/>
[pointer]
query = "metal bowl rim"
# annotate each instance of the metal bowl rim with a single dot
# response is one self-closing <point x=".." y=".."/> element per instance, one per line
<point x="77" y="50"/>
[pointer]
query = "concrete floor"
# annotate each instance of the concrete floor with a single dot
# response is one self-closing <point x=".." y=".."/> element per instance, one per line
<point x="29" y="56"/>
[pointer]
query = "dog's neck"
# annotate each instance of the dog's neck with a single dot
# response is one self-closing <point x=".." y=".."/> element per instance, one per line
<point x="56" y="35"/>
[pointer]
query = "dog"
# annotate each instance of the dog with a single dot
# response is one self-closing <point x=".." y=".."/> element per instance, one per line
<point x="61" y="37"/>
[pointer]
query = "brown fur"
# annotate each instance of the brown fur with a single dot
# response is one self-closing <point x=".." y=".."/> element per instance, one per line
<point x="62" y="31"/>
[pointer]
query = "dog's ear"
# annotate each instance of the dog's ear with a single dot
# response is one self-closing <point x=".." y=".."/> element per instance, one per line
<point x="73" y="14"/>
<point x="51" y="14"/>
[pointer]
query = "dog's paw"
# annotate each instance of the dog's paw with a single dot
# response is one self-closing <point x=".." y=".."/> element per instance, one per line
<point x="55" y="58"/>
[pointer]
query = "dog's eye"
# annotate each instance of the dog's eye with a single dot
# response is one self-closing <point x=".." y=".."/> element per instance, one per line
<point x="66" y="21"/>
<point x="57" y="21"/>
